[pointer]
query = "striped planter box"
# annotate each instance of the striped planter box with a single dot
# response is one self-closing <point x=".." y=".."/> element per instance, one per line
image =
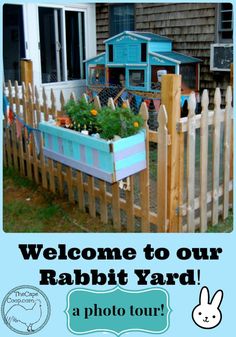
<point x="109" y="161"/>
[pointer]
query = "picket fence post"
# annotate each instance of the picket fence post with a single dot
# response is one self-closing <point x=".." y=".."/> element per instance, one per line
<point x="227" y="136"/>
<point x="191" y="145"/>
<point x="170" y="97"/>
<point x="115" y="189"/>
<point x="204" y="161"/>
<point x="102" y="184"/>
<point x="144" y="176"/>
<point x="216" y="157"/>
<point x="162" y="170"/>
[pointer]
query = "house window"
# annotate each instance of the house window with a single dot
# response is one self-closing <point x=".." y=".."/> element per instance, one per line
<point x="143" y="52"/>
<point x="13" y="41"/>
<point x="226" y="22"/>
<point x="62" y="44"/>
<point x="121" y="18"/>
<point x="110" y="53"/>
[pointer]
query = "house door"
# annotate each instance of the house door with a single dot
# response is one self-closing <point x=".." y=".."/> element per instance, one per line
<point x="13" y="41"/>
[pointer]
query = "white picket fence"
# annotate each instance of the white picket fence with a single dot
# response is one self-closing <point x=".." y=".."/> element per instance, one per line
<point x="206" y="170"/>
<point x="190" y="187"/>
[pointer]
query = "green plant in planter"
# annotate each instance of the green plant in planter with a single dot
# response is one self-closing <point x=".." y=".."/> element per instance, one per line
<point x="120" y="122"/>
<point x="82" y="115"/>
<point x="107" y="122"/>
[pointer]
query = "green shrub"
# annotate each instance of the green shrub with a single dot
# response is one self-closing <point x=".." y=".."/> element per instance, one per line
<point x="107" y="122"/>
<point x="120" y="122"/>
<point x="81" y="115"/>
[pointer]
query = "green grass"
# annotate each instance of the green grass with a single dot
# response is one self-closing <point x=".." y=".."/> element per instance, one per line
<point x="18" y="180"/>
<point x="19" y="212"/>
<point x="225" y="226"/>
<point x="28" y="208"/>
<point x="21" y="217"/>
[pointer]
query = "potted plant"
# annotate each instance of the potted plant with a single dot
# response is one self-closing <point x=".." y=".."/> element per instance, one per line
<point x="107" y="143"/>
<point x="120" y="122"/>
<point x="82" y="116"/>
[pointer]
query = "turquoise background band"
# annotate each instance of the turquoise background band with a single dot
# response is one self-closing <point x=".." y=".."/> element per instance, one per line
<point x="118" y="311"/>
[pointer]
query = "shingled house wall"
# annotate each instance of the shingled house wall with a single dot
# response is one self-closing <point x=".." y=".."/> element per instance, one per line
<point x="191" y="26"/>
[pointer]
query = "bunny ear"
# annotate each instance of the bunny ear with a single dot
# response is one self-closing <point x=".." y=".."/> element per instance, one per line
<point x="217" y="298"/>
<point x="204" y="296"/>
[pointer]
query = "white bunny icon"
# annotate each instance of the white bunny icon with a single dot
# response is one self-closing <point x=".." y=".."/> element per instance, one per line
<point x="206" y="314"/>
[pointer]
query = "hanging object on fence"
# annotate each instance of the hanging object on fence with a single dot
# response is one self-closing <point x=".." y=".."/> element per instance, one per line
<point x="20" y="124"/>
<point x="124" y="95"/>
<point x="10" y="117"/>
<point x="26" y="135"/>
<point x="7" y="111"/>
<point x="157" y="103"/>
<point x="147" y="101"/>
<point x="28" y="131"/>
<point x="138" y="100"/>
<point x="19" y="127"/>
<point x="124" y="184"/>
<point x="5" y="104"/>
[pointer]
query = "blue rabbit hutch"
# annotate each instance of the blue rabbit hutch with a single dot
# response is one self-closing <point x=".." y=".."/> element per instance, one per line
<point x="135" y="61"/>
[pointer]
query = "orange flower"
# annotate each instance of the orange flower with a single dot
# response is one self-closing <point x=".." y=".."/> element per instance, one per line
<point x="94" y="112"/>
<point x="136" y="124"/>
<point x="124" y="105"/>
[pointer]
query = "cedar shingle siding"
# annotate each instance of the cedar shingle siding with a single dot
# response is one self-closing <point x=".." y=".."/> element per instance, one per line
<point x="192" y="27"/>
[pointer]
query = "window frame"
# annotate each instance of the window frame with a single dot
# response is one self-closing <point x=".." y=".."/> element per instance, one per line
<point x="110" y="15"/>
<point x="219" y="38"/>
<point x="63" y="9"/>
<point x="127" y="76"/>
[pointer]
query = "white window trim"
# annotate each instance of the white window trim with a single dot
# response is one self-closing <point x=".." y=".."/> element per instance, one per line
<point x="64" y="9"/>
<point x="32" y="38"/>
<point x="25" y="25"/>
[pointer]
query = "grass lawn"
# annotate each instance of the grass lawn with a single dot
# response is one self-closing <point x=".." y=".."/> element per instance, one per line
<point x="29" y="208"/>
<point x="223" y="226"/>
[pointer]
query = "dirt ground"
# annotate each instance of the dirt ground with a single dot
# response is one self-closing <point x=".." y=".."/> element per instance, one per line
<point x="29" y="208"/>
